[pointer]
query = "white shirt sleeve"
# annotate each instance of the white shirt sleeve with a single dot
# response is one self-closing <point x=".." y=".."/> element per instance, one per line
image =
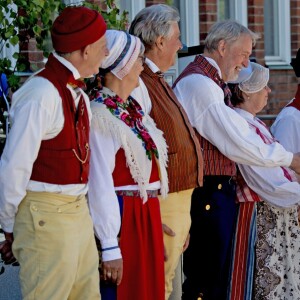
<point x="286" y="129"/>
<point x="203" y="101"/>
<point x="141" y="95"/>
<point x="33" y="118"/>
<point x="271" y="185"/>
<point x="103" y="202"/>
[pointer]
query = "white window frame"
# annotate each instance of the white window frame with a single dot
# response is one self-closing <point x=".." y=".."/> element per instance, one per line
<point x="238" y="10"/>
<point x="284" y="35"/>
<point x="189" y="22"/>
<point x="72" y="2"/>
<point x="190" y="35"/>
<point x="132" y="6"/>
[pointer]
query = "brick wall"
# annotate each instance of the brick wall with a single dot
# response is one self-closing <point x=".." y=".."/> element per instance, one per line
<point x="256" y="24"/>
<point x="34" y="56"/>
<point x="295" y="26"/>
<point x="282" y="82"/>
<point x="151" y="2"/>
<point x="208" y="16"/>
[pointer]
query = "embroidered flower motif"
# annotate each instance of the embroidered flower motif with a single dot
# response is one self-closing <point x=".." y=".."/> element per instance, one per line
<point x="131" y="113"/>
<point x="110" y="104"/>
<point x="94" y="87"/>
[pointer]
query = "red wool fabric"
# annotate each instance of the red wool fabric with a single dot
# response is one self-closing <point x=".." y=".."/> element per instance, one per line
<point x="121" y="173"/>
<point x="142" y="249"/>
<point x="76" y="27"/>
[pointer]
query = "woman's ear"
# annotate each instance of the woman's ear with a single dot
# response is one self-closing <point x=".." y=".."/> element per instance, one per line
<point x="246" y="96"/>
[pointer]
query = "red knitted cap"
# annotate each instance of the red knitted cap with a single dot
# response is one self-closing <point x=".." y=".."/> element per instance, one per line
<point x="76" y="27"/>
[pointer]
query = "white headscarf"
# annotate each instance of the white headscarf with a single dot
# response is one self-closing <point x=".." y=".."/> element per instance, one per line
<point x="123" y="49"/>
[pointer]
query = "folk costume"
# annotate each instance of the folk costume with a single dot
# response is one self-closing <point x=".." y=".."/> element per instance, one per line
<point x="286" y="126"/>
<point x="268" y="207"/>
<point x="276" y="272"/>
<point x="159" y="100"/>
<point x="204" y="96"/>
<point x="128" y="170"/>
<point x="46" y="160"/>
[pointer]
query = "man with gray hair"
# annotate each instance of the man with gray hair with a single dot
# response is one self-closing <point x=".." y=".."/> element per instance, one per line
<point x="225" y="138"/>
<point x="157" y="27"/>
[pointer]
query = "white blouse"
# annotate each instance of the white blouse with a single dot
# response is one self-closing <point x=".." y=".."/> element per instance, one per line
<point x="286" y="129"/>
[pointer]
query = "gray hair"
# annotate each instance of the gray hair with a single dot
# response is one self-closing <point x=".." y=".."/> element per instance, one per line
<point x="152" y="22"/>
<point x="229" y="31"/>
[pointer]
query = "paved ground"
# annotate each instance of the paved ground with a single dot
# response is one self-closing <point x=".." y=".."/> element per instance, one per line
<point x="9" y="284"/>
<point x="9" y="281"/>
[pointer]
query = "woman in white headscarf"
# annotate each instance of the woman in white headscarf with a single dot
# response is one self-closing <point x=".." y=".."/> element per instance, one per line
<point x="128" y="170"/>
<point x="267" y="235"/>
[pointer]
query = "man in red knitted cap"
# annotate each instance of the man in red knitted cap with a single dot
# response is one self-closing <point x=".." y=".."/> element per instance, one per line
<point x="43" y="209"/>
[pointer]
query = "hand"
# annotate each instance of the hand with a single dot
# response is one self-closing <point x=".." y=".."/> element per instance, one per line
<point x="186" y="243"/>
<point x="295" y="165"/>
<point x="168" y="231"/>
<point x="6" y="248"/>
<point x="113" y="270"/>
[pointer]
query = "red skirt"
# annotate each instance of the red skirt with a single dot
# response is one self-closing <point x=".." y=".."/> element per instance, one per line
<point x="141" y="244"/>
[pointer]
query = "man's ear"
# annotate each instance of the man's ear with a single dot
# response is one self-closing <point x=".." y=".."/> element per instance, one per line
<point x="222" y="47"/>
<point x="160" y="42"/>
<point x="85" y="51"/>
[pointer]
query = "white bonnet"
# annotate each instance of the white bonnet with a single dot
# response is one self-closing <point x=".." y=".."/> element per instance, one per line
<point x="253" y="78"/>
<point x="124" y="50"/>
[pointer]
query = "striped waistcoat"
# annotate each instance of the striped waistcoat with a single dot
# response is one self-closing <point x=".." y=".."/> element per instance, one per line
<point x="185" y="165"/>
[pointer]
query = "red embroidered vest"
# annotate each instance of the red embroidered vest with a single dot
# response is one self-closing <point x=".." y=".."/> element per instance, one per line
<point x="215" y="163"/>
<point x="65" y="158"/>
<point x="122" y="175"/>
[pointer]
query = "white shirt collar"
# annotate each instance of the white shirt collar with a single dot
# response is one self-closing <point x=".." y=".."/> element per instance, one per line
<point x="68" y="65"/>
<point x="154" y="68"/>
<point x="245" y="114"/>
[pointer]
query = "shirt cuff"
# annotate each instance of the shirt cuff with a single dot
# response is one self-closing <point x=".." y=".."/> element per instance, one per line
<point x="7" y="225"/>
<point x="110" y="250"/>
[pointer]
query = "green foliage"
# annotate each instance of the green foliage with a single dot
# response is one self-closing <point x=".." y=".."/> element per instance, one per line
<point x="33" y="19"/>
<point x="19" y="22"/>
<point x="25" y="20"/>
<point x="113" y="18"/>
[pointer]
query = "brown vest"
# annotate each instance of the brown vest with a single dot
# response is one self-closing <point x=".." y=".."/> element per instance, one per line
<point x="215" y="163"/>
<point x="65" y="158"/>
<point x="185" y="165"/>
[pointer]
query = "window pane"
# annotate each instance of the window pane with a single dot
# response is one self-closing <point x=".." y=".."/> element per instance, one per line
<point x="271" y="28"/>
<point x="223" y="10"/>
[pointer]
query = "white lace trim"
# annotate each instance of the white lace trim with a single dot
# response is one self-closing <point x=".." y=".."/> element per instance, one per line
<point x="136" y="158"/>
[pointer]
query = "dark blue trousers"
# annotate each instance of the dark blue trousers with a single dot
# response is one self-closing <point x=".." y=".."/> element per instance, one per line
<point x="206" y="262"/>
